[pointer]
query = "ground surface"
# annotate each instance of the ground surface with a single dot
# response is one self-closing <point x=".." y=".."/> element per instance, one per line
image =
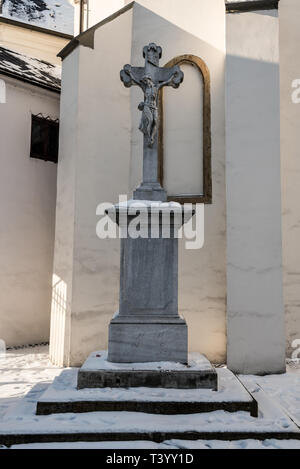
<point x="21" y="369"/>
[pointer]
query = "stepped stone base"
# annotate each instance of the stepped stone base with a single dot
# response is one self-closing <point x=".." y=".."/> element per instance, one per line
<point x="22" y="425"/>
<point x="64" y="397"/>
<point x="98" y="372"/>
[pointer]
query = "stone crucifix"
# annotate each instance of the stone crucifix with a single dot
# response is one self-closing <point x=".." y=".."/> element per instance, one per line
<point x="150" y="78"/>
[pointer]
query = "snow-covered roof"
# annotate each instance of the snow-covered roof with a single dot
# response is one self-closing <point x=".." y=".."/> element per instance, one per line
<point x="34" y="71"/>
<point x="56" y="15"/>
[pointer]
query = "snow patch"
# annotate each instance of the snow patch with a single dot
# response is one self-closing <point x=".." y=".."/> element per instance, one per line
<point x="98" y="361"/>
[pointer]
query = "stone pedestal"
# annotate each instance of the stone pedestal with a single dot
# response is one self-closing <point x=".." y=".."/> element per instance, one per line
<point x="137" y="340"/>
<point x="147" y="327"/>
<point x="98" y="372"/>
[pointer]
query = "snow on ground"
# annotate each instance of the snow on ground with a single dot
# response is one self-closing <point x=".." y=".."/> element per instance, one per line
<point x="21" y="370"/>
<point x="50" y="14"/>
<point x="171" y="444"/>
<point x="284" y="389"/>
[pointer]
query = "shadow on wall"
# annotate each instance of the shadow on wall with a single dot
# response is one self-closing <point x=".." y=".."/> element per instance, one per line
<point x="255" y="311"/>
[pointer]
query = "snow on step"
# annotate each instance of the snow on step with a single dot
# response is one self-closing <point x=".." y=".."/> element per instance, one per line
<point x="283" y="391"/>
<point x="98" y="361"/>
<point x="22" y="420"/>
<point x="171" y="444"/>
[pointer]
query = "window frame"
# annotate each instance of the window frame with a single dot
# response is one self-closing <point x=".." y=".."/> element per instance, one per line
<point x="47" y="122"/>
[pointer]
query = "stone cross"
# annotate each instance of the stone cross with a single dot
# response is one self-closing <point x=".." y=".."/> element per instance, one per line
<point x="150" y="78"/>
<point x="148" y="327"/>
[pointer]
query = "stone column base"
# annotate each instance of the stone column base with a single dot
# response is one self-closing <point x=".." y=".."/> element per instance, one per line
<point x="150" y="192"/>
<point x="142" y="340"/>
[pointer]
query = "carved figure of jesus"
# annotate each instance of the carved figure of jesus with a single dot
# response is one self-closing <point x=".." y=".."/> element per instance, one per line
<point x="150" y="79"/>
<point x="149" y="107"/>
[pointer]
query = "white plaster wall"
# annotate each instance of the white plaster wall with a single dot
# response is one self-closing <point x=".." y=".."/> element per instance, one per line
<point x="98" y="11"/>
<point x="202" y="273"/>
<point x="27" y="212"/>
<point x="289" y="16"/>
<point x="256" y="337"/>
<point x="93" y="168"/>
<point x="201" y="18"/>
<point x="32" y="43"/>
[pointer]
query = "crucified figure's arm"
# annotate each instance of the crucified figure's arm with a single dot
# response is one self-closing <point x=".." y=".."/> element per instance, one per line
<point x="129" y="78"/>
<point x="135" y="80"/>
<point x="165" y="83"/>
<point x="175" y="79"/>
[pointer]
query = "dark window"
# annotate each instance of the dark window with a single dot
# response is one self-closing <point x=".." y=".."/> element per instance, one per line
<point x="44" y="139"/>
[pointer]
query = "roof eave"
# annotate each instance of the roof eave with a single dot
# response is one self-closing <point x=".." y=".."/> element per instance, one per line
<point x="45" y="86"/>
<point x="253" y="5"/>
<point x="87" y="37"/>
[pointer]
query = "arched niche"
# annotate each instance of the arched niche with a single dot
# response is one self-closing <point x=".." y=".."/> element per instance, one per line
<point x="201" y="119"/>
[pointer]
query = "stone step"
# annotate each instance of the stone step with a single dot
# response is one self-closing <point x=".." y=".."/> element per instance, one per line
<point x="153" y="436"/>
<point x="98" y="372"/>
<point x="64" y="397"/>
<point x="21" y="425"/>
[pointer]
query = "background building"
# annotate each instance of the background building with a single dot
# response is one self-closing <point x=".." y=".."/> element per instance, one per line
<point x="31" y="36"/>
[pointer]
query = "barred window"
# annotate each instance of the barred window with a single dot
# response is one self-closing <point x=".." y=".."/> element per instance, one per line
<point x="44" y="138"/>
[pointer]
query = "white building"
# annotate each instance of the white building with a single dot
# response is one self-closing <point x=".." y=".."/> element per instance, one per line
<point x="30" y="76"/>
<point x="240" y="292"/>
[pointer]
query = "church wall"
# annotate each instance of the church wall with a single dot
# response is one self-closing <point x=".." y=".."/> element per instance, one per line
<point x="28" y="195"/>
<point x="98" y="11"/>
<point x="32" y="43"/>
<point x="289" y="16"/>
<point x="202" y="272"/>
<point x="203" y="19"/>
<point x="256" y="337"/>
